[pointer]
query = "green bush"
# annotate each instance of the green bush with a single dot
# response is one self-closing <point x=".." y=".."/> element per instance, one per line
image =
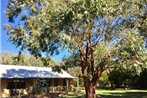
<point x="104" y="82"/>
<point x="122" y="77"/>
<point x="40" y="88"/>
<point x="142" y="81"/>
<point x="129" y="79"/>
<point x="118" y="78"/>
<point x="36" y="89"/>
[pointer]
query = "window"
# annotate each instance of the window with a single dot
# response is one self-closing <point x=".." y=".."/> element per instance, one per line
<point x="49" y="83"/>
<point x="43" y="83"/>
<point x="55" y="82"/>
<point x="16" y="84"/>
<point x="64" y="82"/>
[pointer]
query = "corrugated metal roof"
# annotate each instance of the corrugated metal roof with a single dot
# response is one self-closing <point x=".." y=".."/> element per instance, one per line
<point x="15" y="71"/>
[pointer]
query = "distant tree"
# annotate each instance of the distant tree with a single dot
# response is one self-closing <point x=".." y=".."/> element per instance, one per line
<point x="128" y="61"/>
<point x="25" y="60"/>
<point x="49" y="61"/>
<point x="93" y="29"/>
<point x="71" y="61"/>
<point x="7" y="58"/>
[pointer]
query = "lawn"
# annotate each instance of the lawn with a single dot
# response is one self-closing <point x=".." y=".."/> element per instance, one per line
<point x="112" y="94"/>
<point x="122" y="93"/>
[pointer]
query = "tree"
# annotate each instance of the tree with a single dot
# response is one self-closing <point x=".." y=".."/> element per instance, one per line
<point x="93" y="29"/>
<point x="27" y="60"/>
<point x="72" y="60"/>
<point x="130" y="60"/>
<point x="9" y="58"/>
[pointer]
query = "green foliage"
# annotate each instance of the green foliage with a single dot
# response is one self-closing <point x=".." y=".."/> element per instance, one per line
<point x="26" y="60"/>
<point x="36" y="89"/>
<point x="142" y="80"/>
<point x="102" y="33"/>
<point x="75" y="71"/>
<point x="7" y="58"/>
<point x="43" y="35"/>
<point x="128" y="78"/>
<point x="104" y="81"/>
<point x="71" y="61"/>
<point x="39" y="88"/>
<point x="118" y="78"/>
<point x="72" y="23"/>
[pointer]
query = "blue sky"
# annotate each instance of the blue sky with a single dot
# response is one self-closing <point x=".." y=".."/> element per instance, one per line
<point x="8" y="46"/>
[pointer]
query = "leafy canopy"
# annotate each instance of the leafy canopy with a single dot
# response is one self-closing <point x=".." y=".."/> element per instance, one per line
<point x="103" y="25"/>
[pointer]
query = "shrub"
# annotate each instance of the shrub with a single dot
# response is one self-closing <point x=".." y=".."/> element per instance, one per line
<point x="142" y="81"/>
<point x="104" y="82"/>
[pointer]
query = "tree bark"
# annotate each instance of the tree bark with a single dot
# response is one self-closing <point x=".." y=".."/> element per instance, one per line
<point x="108" y="71"/>
<point x="90" y="86"/>
<point x="90" y="91"/>
<point x="88" y="70"/>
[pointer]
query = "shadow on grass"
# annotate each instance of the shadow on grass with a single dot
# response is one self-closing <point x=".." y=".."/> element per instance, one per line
<point x="110" y="95"/>
<point x="74" y="95"/>
<point x="125" y="95"/>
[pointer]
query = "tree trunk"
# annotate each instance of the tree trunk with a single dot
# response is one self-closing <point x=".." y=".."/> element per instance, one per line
<point x="90" y="91"/>
<point x="90" y="86"/>
<point x="87" y="70"/>
<point x="111" y="84"/>
<point x="108" y="71"/>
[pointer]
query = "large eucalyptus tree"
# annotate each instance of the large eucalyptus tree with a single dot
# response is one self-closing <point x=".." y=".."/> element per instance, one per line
<point x="93" y="29"/>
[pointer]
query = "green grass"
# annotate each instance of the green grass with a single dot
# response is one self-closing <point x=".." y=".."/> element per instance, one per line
<point x="122" y="93"/>
<point x="74" y="95"/>
<point x="112" y="94"/>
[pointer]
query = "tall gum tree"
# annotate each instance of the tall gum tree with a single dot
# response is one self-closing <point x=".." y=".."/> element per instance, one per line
<point x="90" y="28"/>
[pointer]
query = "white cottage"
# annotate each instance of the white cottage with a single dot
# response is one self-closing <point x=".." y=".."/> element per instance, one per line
<point x="22" y="78"/>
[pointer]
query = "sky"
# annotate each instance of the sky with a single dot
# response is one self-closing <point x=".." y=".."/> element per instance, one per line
<point x="6" y="46"/>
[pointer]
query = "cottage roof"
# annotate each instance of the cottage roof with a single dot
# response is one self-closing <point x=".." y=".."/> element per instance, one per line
<point x="16" y="71"/>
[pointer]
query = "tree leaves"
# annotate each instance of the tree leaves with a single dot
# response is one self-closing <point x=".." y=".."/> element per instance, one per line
<point x="111" y="28"/>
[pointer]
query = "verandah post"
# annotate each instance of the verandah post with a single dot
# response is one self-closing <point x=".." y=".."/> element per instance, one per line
<point x="67" y="86"/>
<point x="77" y="84"/>
<point x="0" y="88"/>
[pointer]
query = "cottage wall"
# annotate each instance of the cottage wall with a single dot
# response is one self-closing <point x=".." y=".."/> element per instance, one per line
<point x="18" y="71"/>
<point x="6" y="92"/>
<point x="60" y="82"/>
<point x="29" y="86"/>
<point x="30" y="82"/>
<point x="60" y="87"/>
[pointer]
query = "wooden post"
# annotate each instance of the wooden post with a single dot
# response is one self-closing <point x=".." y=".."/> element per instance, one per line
<point x="53" y="86"/>
<point x="0" y="88"/>
<point x="77" y="89"/>
<point x="67" y="85"/>
<point x="47" y="86"/>
<point x="15" y="86"/>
